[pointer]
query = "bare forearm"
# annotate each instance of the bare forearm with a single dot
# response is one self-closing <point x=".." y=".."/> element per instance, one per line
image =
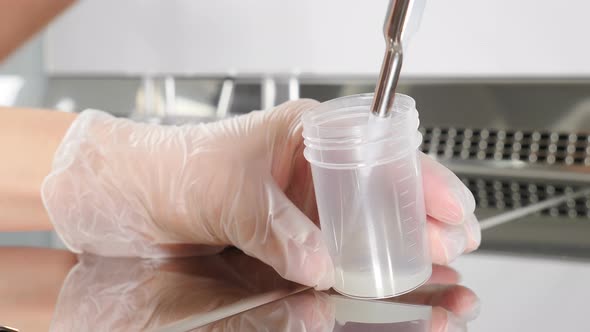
<point x="28" y="140"/>
<point x="21" y="19"/>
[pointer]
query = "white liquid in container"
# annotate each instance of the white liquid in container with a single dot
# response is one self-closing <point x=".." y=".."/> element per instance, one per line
<point x="353" y="283"/>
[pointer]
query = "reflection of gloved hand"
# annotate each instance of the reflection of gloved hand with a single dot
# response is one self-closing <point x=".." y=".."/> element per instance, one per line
<point x="130" y="294"/>
<point x="310" y="311"/>
<point x="452" y="306"/>
<point x="121" y="188"/>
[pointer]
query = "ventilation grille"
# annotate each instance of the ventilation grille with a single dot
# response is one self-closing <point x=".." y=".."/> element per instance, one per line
<point x="508" y="195"/>
<point x="539" y="147"/>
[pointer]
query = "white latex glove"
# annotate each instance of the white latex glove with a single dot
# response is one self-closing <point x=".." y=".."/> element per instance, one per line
<point x="120" y="188"/>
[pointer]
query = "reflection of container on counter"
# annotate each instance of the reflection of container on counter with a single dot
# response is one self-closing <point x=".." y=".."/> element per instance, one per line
<point x="369" y="193"/>
<point x="359" y="315"/>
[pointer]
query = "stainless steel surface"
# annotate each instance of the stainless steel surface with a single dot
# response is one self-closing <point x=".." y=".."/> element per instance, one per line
<point x="526" y="293"/>
<point x="234" y="292"/>
<point x="518" y="169"/>
<point x="252" y="302"/>
<point x="392" y="60"/>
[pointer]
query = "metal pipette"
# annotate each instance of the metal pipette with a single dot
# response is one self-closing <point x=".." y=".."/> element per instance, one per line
<point x="395" y="24"/>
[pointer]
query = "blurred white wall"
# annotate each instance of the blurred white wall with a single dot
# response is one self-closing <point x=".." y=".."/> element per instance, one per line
<point x="458" y="38"/>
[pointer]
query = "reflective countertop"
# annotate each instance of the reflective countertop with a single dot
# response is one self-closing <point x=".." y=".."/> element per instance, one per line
<point x="43" y="289"/>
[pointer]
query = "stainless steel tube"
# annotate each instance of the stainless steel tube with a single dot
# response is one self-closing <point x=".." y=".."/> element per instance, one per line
<point x="392" y="61"/>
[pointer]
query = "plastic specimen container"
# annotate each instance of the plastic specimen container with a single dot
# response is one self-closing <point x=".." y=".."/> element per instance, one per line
<point x="369" y="193"/>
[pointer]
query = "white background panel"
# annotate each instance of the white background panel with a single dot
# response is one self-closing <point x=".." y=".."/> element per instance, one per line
<point x="457" y="38"/>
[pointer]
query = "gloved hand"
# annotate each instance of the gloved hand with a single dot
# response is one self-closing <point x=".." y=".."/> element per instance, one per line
<point x="120" y="188"/>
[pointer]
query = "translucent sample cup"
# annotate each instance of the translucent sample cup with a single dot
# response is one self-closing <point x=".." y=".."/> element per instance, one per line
<point x="368" y="187"/>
